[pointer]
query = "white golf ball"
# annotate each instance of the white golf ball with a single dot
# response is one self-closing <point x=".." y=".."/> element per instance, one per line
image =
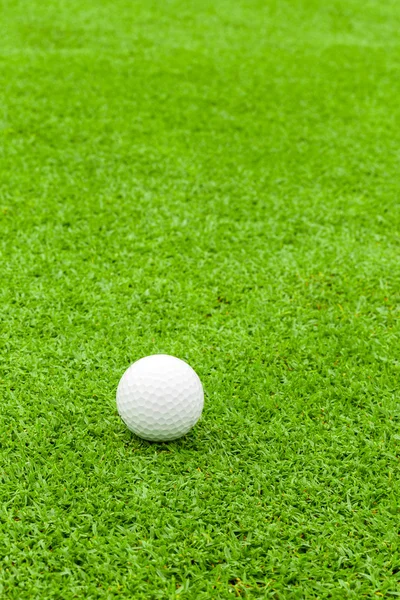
<point x="160" y="398"/>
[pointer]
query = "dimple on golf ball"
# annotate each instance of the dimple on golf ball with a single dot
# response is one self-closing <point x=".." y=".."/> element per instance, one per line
<point x="160" y="398"/>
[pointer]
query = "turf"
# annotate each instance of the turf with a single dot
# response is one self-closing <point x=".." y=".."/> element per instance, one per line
<point x="216" y="180"/>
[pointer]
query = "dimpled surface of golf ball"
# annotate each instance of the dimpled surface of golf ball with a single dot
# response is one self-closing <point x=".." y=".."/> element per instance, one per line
<point x="160" y="398"/>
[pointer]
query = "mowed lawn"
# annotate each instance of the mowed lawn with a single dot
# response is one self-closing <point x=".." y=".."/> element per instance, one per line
<point x="217" y="180"/>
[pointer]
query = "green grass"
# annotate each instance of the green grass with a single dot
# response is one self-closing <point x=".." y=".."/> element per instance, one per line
<point x="218" y="180"/>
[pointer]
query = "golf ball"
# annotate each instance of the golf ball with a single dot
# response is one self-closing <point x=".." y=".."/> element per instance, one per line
<point x="160" y="398"/>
